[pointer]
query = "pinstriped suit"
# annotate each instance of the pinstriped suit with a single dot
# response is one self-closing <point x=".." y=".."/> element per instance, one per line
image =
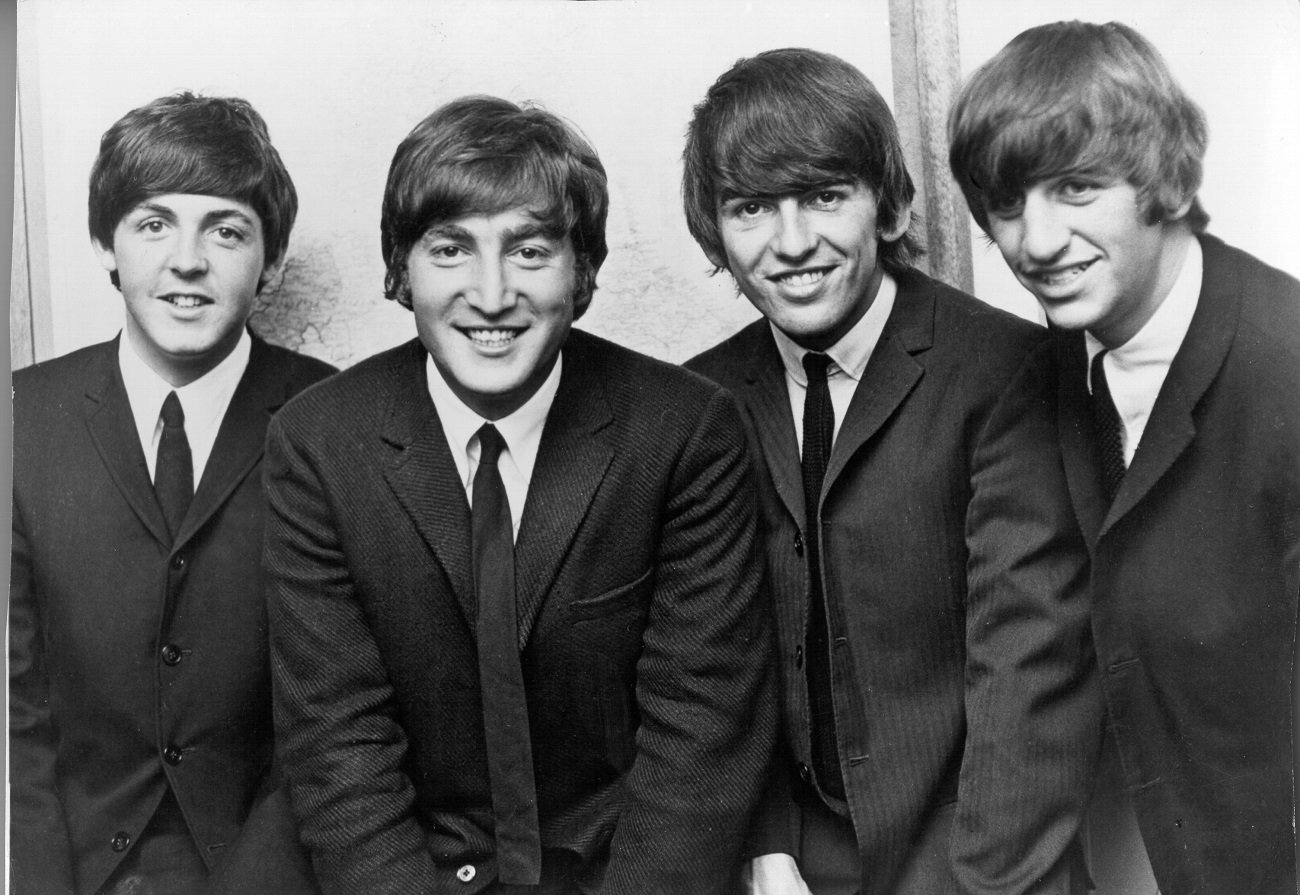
<point x="967" y="713"/>
<point x="646" y="648"/>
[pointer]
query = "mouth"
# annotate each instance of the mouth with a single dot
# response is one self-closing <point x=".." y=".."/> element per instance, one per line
<point x="803" y="278"/>
<point x="1055" y="277"/>
<point x="185" y="300"/>
<point x="491" y="338"/>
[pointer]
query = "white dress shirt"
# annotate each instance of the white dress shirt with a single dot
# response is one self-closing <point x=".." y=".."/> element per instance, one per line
<point x="1136" y="370"/>
<point x="521" y="431"/>
<point x="848" y="356"/>
<point x="204" y="401"/>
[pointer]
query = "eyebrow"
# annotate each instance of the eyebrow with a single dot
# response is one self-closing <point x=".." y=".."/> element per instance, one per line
<point x="450" y="230"/>
<point x="212" y="217"/>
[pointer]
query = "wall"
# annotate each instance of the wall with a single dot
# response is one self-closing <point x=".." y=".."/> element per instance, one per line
<point x="341" y="82"/>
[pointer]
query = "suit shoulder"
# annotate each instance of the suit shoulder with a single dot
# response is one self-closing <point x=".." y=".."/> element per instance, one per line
<point x="634" y="376"/>
<point x="297" y="371"/>
<point x="355" y="392"/>
<point x="969" y="317"/>
<point x="726" y="362"/>
<point x="42" y="381"/>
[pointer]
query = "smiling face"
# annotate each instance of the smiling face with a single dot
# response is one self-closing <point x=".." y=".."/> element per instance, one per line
<point x="189" y="267"/>
<point x="808" y="261"/>
<point x="1082" y="247"/>
<point x="493" y="302"/>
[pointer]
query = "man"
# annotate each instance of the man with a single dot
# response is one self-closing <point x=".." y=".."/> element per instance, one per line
<point x="515" y="609"/>
<point x="139" y="685"/>
<point x="939" y="713"/>
<point x="1174" y="378"/>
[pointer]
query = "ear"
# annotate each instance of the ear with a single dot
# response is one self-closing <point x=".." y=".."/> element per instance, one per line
<point x="718" y="261"/>
<point x="1180" y="212"/>
<point x="902" y="221"/>
<point x="107" y="258"/>
<point x="271" y="270"/>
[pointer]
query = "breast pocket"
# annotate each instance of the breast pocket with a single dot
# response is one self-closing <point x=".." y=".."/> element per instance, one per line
<point x="613" y="601"/>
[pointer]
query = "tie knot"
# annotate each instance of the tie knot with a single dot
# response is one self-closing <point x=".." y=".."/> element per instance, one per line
<point x="815" y="366"/>
<point x="490" y="444"/>
<point x="173" y="416"/>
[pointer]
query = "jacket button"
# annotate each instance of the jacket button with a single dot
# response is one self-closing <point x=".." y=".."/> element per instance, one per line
<point x="805" y="773"/>
<point x="172" y="755"/>
<point x="178" y="561"/>
<point x="798" y="543"/>
<point x="120" y="842"/>
<point x="171" y="654"/>
<point x="798" y="657"/>
<point x="466" y="873"/>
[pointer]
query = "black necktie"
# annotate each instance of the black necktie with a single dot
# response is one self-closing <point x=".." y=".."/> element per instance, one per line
<point x="505" y="707"/>
<point x="1108" y="429"/>
<point x="173" y="479"/>
<point x="818" y="433"/>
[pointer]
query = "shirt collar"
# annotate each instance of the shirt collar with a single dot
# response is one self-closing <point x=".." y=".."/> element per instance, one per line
<point x="522" y="430"/>
<point x="204" y="400"/>
<point x="850" y="354"/>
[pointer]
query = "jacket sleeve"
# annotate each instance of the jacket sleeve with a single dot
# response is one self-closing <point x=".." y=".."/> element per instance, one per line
<point x="1033" y="699"/>
<point x="704" y="685"/>
<point x="337" y="736"/>
<point x="41" y="854"/>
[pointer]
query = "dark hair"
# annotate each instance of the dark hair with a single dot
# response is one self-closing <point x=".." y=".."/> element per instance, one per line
<point x="185" y="143"/>
<point x="484" y="155"/>
<point x="788" y="121"/>
<point x="1078" y="97"/>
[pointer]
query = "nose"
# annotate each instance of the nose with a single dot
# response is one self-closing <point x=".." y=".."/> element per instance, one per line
<point x="492" y="293"/>
<point x="189" y="255"/>
<point x="1045" y="235"/>
<point x="794" y="237"/>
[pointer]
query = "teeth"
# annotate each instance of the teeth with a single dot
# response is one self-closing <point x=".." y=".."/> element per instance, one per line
<point x="491" y="338"/>
<point x="804" y="278"/>
<point x="1057" y="277"/>
<point x="185" y="301"/>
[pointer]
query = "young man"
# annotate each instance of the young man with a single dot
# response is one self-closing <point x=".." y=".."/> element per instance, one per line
<point x="1173" y="382"/>
<point x="515" y="608"/>
<point x="139" y="686"/>
<point x="940" y="717"/>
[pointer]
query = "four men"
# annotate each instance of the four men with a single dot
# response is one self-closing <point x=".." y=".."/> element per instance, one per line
<point x="519" y="579"/>
<point x="939" y="710"/>
<point x="1173" y="383"/>
<point x="139" y="683"/>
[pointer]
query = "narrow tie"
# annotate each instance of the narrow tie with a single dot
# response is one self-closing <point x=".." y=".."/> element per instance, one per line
<point x="818" y="433"/>
<point x="505" y="707"/>
<point x="1107" y="428"/>
<point x="173" y="480"/>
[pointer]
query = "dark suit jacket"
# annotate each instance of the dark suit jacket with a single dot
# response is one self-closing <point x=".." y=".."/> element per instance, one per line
<point x="967" y="715"/>
<point x="98" y="593"/>
<point x="645" y="644"/>
<point x="1195" y="574"/>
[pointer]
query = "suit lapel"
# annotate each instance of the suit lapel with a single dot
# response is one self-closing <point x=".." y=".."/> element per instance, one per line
<point x="766" y="399"/>
<point x="423" y="474"/>
<point x="572" y="460"/>
<point x="1172" y="427"/>
<point x="891" y="373"/>
<point x="240" y="440"/>
<point x="1074" y="429"/>
<point x="112" y="429"/>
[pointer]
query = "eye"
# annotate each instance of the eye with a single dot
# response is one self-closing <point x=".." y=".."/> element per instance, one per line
<point x="229" y="234"/>
<point x="1007" y="206"/>
<point x="1076" y="189"/>
<point x="152" y="225"/>
<point x="826" y="199"/>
